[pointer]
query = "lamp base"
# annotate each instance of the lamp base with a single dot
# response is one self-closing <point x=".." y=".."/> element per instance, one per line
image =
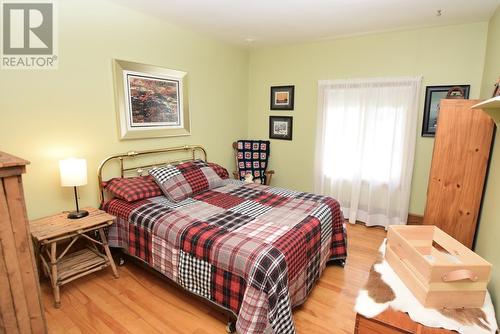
<point x="78" y="214"/>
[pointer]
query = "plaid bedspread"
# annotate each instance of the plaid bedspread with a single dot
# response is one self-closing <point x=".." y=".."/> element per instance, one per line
<point x="252" y="249"/>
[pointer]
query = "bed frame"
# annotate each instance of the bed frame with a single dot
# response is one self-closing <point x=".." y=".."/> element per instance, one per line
<point x="129" y="167"/>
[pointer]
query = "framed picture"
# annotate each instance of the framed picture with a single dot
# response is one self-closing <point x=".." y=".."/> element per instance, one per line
<point x="282" y="97"/>
<point x="151" y="101"/>
<point x="280" y="127"/>
<point x="433" y="96"/>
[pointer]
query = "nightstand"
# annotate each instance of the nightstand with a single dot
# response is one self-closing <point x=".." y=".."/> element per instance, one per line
<point x="63" y="267"/>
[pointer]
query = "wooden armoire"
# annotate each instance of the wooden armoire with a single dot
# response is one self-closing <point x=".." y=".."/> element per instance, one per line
<point x="21" y="309"/>
<point x="462" y="146"/>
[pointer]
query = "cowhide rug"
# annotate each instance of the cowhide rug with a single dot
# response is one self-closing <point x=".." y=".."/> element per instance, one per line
<point x="385" y="289"/>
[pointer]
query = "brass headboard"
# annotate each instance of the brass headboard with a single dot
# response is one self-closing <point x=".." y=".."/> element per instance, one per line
<point x="139" y="169"/>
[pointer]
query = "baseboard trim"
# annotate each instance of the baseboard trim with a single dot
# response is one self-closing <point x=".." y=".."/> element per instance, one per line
<point x="414" y="219"/>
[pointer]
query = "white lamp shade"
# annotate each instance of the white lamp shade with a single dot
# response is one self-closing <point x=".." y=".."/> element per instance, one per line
<point x="73" y="172"/>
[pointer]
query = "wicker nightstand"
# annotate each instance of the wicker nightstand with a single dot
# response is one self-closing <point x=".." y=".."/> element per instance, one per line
<point x="64" y="267"/>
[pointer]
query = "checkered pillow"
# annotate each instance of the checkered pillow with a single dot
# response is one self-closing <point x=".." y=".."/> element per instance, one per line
<point x="221" y="171"/>
<point x="134" y="188"/>
<point x="186" y="179"/>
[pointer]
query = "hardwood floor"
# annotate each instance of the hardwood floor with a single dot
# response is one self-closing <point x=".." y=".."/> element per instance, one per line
<point x="140" y="302"/>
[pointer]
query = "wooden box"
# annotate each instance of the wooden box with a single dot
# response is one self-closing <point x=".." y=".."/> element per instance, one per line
<point x="440" y="271"/>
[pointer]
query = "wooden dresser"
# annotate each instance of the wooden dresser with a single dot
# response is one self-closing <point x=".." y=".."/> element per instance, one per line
<point x="393" y="322"/>
<point x="21" y="309"/>
<point x="458" y="171"/>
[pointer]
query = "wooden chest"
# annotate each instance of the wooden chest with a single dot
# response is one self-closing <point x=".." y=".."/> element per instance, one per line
<point x="440" y="271"/>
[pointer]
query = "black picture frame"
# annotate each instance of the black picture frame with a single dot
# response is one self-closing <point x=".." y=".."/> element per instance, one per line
<point x="433" y="94"/>
<point x="287" y="103"/>
<point x="281" y="131"/>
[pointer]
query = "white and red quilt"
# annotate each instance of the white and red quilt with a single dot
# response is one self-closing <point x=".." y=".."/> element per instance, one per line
<point x="252" y="249"/>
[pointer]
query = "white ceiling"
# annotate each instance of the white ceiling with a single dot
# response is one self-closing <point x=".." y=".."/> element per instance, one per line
<point x="264" y="22"/>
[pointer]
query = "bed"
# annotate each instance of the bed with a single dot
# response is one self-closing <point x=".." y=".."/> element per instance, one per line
<point x="253" y="250"/>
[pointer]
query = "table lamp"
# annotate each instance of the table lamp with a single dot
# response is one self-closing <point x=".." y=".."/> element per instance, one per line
<point x="74" y="174"/>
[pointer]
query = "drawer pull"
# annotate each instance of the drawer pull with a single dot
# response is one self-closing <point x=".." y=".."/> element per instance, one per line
<point x="458" y="275"/>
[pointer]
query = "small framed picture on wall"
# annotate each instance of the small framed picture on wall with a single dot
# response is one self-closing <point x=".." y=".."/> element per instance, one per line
<point x="280" y="127"/>
<point x="282" y="97"/>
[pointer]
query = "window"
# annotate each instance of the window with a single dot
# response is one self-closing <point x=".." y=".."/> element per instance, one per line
<point x="366" y="142"/>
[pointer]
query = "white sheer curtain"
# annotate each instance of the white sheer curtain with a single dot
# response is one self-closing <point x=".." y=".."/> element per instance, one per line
<point x="365" y="146"/>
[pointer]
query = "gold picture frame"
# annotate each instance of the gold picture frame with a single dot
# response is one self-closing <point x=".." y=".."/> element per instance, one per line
<point x="151" y="101"/>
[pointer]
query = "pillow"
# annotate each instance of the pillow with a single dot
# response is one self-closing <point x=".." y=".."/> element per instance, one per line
<point x="186" y="179"/>
<point x="134" y="188"/>
<point x="221" y="171"/>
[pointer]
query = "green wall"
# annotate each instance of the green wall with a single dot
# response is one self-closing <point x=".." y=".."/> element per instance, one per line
<point x="487" y="243"/>
<point x="443" y="55"/>
<point x="48" y="115"/>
